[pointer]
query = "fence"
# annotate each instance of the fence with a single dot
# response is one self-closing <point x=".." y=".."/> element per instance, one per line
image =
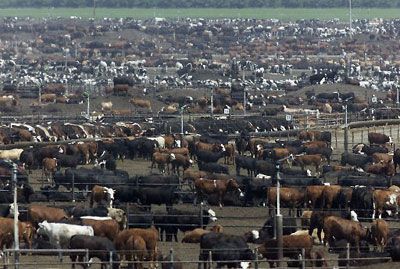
<point x="295" y="257"/>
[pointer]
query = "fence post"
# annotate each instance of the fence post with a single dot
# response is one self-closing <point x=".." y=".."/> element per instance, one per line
<point x="348" y="255"/>
<point x="201" y="215"/>
<point x="60" y="256"/>
<point x="127" y="216"/>
<point x="352" y="138"/>
<point x="303" y="258"/>
<point x="73" y="187"/>
<point x="256" y="258"/>
<point x="209" y="259"/>
<point x="5" y="259"/>
<point x="111" y="259"/>
<point x="171" y="258"/>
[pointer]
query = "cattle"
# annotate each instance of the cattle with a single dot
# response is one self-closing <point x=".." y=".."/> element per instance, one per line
<point x="244" y="162"/>
<point x="265" y="167"/>
<point x="324" y="152"/>
<point x="362" y="201"/>
<point x="378" y="138"/>
<point x="195" y="235"/>
<point x="315" y="144"/>
<point x="381" y="169"/>
<point x="220" y="187"/>
<point x="191" y="175"/>
<point x="393" y="247"/>
<point x="60" y="233"/>
<point x="25" y="232"/>
<point x="268" y="230"/>
<point x="40" y="213"/>
<point x="238" y="256"/>
<point x="48" y="98"/>
<point x="98" y="247"/>
<point x="384" y="200"/>
<point x="230" y="153"/>
<point x="382" y="158"/>
<point x="369" y="149"/>
<point x="317" y="220"/>
<point x="180" y="160"/>
<point x="298" y="181"/>
<point x="213" y="168"/>
<point x="135" y="248"/>
<point x="71" y="161"/>
<point x="106" y="106"/>
<point x="140" y="103"/>
<point x="49" y="166"/>
<point x="119" y="215"/>
<point x="336" y="228"/>
<point x="396" y="159"/>
<point x="80" y="210"/>
<point x="304" y="160"/>
<point x="121" y="89"/>
<point x="162" y="160"/>
<point x="330" y="195"/>
<point x="182" y="220"/>
<point x="313" y="196"/>
<point x="102" y="226"/>
<point x="292" y="247"/>
<point x="289" y="197"/>
<point x="379" y="233"/>
<point x="99" y="194"/>
<point x="209" y="157"/>
<point x="150" y="236"/>
<point x="11" y="154"/>
<point x="355" y="159"/>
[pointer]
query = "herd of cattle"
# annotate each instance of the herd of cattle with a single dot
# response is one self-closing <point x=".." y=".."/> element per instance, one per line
<point x="118" y="223"/>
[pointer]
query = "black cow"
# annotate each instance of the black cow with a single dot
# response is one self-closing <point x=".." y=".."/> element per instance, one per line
<point x="155" y="181"/>
<point x="99" y="247"/>
<point x="255" y="190"/>
<point x="213" y="168"/>
<point x="80" y="211"/>
<point x="229" y="250"/>
<point x="355" y="159"/>
<point x="393" y="247"/>
<point x="181" y="220"/>
<point x="209" y="157"/>
<point x="265" y="167"/>
<point x="244" y="162"/>
<point x="369" y="150"/>
<point x="71" y="161"/>
<point x="378" y="138"/>
<point x="300" y="181"/>
<point x="138" y="216"/>
<point x="373" y="181"/>
<point x="268" y="230"/>
<point x="362" y="202"/>
<point x="27" y="157"/>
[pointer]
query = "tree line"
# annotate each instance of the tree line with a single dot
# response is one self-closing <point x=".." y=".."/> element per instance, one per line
<point x="202" y="4"/>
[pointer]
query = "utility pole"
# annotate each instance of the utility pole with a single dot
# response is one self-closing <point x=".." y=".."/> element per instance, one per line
<point x="16" y="232"/>
<point x="279" y="221"/>
<point x="346" y="130"/>
<point x="351" y="20"/>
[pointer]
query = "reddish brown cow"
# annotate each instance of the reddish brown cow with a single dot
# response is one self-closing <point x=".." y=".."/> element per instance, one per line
<point x="378" y="138"/>
<point x="49" y="98"/>
<point x="194" y="236"/>
<point x="292" y="247"/>
<point x="337" y="228"/>
<point x="49" y="167"/>
<point x="25" y="232"/>
<point x="39" y="213"/>
<point x="316" y="144"/>
<point x="191" y="175"/>
<point x="304" y="160"/>
<point x="207" y="146"/>
<point x="290" y="197"/>
<point x="382" y="158"/>
<point x="329" y="195"/>
<point x="220" y="187"/>
<point x="379" y="233"/>
<point x="279" y="153"/>
<point x="385" y="200"/>
<point x="178" y="160"/>
<point x="136" y="250"/>
<point x="99" y="194"/>
<point x="105" y="228"/>
<point x="314" y="196"/>
<point x="150" y="236"/>
<point x="230" y="154"/>
<point x="140" y="103"/>
<point x="121" y="89"/>
<point x="381" y="169"/>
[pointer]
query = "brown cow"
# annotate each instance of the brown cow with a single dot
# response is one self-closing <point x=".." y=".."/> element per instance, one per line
<point x="162" y="160"/>
<point x="39" y="213"/>
<point x="150" y="236"/>
<point x="304" y="160"/>
<point x="178" y="160"/>
<point x="314" y="196"/>
<point x="306" y="135"/>
<point x="99" y="194"/>
<point x="48" y="98"/>
<point x="290" y="197"/>
<point x="279" y="153"/>
<point x="385" y="200"/>
<point x="194" y="236"/>
<point x="379" y="233"/>
<point x="25" y="232"/>
<point x="315" y="144"/>
<point x="208" y="147"/>
<point x="220" y="187"/>
<point x="336" y="228"/>
<point x="105" y="228"/>
<point x="230" y="154"/>
<point x="292" y="248"/>
<point x="329" y="195"/>
<point x="382" y="158"/>
<point x="169" y="141"/>
<point x="191" y="175"/>
<point x="120" y="89"/>
<point x="49" y="167"/>
<point x="136" y="250"/>
<point x="378" y="138"/>
<point x="140" y="103"/>
<point x="381" y="169"/>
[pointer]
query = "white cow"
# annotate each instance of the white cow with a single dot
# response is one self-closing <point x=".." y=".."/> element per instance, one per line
<point x="60" y="233"/>
<point x="10" y="154"/>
